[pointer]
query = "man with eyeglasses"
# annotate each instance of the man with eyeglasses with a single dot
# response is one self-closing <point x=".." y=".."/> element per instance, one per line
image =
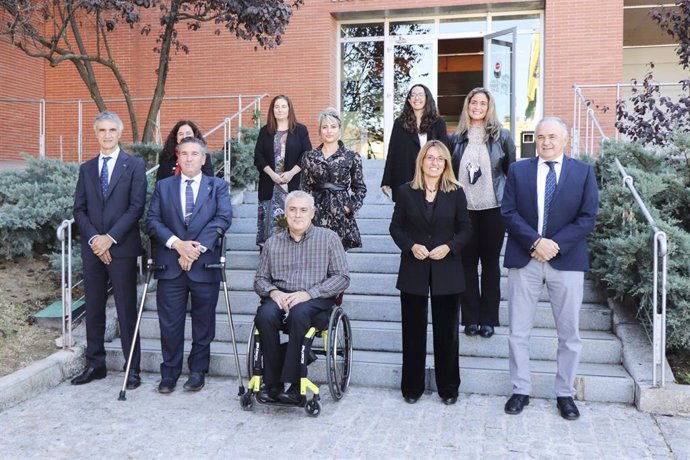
<point x="187" y="215"/>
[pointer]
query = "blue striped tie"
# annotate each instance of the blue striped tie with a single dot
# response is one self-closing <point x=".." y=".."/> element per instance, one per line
<point x="104" y="177"/>
<point x="549" y="191"/>
<point x="188" y="201"/>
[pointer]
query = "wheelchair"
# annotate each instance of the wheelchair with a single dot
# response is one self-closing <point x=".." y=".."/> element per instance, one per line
<point x="334" y="329"/>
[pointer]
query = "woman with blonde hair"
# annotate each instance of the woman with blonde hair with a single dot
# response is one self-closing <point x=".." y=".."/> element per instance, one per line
<point x="430" y="225"/>
<point x="482" y="154"/>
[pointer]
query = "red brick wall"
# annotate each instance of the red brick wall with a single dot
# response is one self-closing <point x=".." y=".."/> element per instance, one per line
<point x="582" y="44"/>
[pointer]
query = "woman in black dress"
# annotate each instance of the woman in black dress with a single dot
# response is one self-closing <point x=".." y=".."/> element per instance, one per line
<point x="482" y="154"/>
<point x="430" y="225"/>
<point x="418" y="123"/>
<point x="279" y="148"/>
<point x="333" y="175"/>
<point x="167" y="160"/>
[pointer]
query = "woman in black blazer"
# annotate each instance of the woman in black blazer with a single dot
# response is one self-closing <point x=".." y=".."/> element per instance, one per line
<point x="277" y="155"/>
<point x="167" y="160"/>
<point x="418" y="123"/>
<point x="430" y="225"/>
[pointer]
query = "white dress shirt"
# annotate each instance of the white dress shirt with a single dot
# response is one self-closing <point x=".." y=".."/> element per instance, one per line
<point x="111" y="163"/>
<point x="542" y="171"/>
<point x="183" y="192"/>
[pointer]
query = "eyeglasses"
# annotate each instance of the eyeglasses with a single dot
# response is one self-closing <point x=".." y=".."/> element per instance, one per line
<point x="433" y="159"/>
<point x="417" y="95"/>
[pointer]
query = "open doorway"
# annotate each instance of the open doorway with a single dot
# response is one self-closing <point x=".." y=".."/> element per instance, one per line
<point x="460" y="69"/>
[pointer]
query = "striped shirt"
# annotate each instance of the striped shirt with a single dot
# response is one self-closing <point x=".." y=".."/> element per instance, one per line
<point x="315" y="264"/>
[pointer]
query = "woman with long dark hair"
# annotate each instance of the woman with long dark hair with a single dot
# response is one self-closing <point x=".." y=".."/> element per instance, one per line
<point x="279" y="148"/>
<point x="167" y="160"/>
<point x="418" y="123"/>
<point x="431" y="227"/>
<point x="482" y="154"/>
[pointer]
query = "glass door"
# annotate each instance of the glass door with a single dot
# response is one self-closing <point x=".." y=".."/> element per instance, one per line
<point x="409" y="61"/>
<point x="499" y="73"/>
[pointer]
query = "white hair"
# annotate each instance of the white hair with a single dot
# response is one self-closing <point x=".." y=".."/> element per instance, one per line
<point x="299" y="194"/>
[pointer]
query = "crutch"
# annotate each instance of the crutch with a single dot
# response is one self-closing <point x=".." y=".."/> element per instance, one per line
<point x="150" y="269"/>
<point x="221" y="267"/>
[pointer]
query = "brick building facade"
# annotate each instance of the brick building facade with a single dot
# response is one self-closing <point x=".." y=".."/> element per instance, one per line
<point x="579" y="42"/>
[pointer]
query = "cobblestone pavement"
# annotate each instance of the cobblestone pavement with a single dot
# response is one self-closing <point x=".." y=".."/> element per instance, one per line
<point x="88" y="422"/>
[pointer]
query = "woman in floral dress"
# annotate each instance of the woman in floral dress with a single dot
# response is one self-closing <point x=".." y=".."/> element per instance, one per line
<point x="333" y="175"/>
<point x="277" y="154"/>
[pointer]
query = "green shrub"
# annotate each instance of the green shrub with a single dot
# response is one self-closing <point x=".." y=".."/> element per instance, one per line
<point x="243" y="171"/>
<point x="33" y="202"/>
<point x="622" y="243"/>
<point x="146" y="151"/>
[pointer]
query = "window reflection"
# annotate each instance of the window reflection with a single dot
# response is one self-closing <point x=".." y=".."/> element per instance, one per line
<point x="361" y="30"/>
<point x="462" y="25"/>
<point x="411" y="28"/>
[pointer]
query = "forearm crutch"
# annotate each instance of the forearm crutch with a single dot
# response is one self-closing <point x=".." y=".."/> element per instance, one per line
<point x="151" y="267"/>
<point x="221" y="266"/>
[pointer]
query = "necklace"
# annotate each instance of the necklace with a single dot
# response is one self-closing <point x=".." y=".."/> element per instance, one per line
<point x="431" y="190"/>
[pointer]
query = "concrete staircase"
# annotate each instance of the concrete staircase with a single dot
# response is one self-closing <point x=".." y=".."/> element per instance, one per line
<point x="373" y="305"/>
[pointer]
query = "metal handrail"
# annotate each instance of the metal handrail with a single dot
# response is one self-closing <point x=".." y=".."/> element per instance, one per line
<point x="591" y="123"/>
<point x="660" y="237"/>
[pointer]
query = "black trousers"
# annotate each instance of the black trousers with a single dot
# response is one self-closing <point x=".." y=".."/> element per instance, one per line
<point x="172" y="296"/>
<point x="122" y="273"/>
<point x="480" y="306"/>
<point x="269" y="319"/>
<point x="444" y="316"/>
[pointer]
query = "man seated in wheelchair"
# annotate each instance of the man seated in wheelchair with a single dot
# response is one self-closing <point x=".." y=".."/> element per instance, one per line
<point x="300" y="273"/>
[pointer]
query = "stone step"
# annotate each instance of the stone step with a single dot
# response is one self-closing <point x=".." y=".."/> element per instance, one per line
<point x="595" y="382"/>
<point x="598" y="346"/>
<point x="593" y="316"/>
<point x="370" y="211"/>
<point x="384" y="284"/>
<point x="356" y="262"/>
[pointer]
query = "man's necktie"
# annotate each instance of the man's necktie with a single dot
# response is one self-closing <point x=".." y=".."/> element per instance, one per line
<point x="104" y="177"/>
<point x="188" y="201"/>
<point x="549" y="191"/>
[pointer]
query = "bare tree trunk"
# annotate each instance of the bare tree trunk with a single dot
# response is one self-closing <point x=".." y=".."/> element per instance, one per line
<point x="163" y="67"/>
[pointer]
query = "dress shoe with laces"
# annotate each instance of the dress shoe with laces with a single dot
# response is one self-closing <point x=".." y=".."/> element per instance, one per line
<point x="567" y="408"/>
<point x="486" y="331"/>
<point x="133" y="380"/>
<point x="89" y="374"/>
<point x="471" y="329"/>
<point x="270" y="392"/>
<point x="516" y="403"/>
<point x="291" y="396"/>
<point x="450" y="401"/>
<point x="167" y="385"/>
<point x="195" y="382"/>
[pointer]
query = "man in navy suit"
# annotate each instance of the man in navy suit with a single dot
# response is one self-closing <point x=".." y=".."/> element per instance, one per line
<point x="108" y="203"/>
<point x="187" y="215"/>
<point x="549" y="206"/>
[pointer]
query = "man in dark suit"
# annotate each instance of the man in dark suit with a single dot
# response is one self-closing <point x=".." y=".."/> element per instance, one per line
<point x="108" y="202"/>
<point x="187" y="215"/>
<point x="549" y="206"/>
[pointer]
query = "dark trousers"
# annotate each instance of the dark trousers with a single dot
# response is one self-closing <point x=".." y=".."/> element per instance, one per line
<point x="444" y="316"/>
<point x="480" y="306"/>
<point x="122" y="273"/>
<point x="171" y="296"/>
<point x="269" y="319"/>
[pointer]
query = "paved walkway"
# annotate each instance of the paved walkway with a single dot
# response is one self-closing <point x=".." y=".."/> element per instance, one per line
<point x="88" y="422"/>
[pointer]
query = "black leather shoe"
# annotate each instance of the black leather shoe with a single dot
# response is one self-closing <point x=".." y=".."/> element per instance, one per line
<point x="270" y="393"/>
<point x="486" y="331"/>
<point x="167" y="385"/>
<point x="567" y="408"/>
<point x="411" y="399"/>
<point x="133" y="380"/>
<point x="89" y="374"/>
<point x="516" y="403"/>
<point x="471" y="329"/>
<point x="450" y="401"/>
<point x="195" y="382"/>
<point x="291" y="396"/>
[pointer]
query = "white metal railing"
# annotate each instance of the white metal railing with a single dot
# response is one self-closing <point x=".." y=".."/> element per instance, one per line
<point x="660" y="239"/>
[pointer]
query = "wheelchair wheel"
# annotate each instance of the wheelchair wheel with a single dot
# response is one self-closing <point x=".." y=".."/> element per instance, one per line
<point x="313" y="408"/>
<point x="339" y="353"/>
<point x="251" y="342"/>
<point x="247" y="401"/>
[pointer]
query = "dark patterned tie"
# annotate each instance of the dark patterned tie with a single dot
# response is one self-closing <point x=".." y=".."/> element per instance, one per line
<point x="549" y="191"/>
<point x="188" y="201"/>
<point x="104" y="177"/>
